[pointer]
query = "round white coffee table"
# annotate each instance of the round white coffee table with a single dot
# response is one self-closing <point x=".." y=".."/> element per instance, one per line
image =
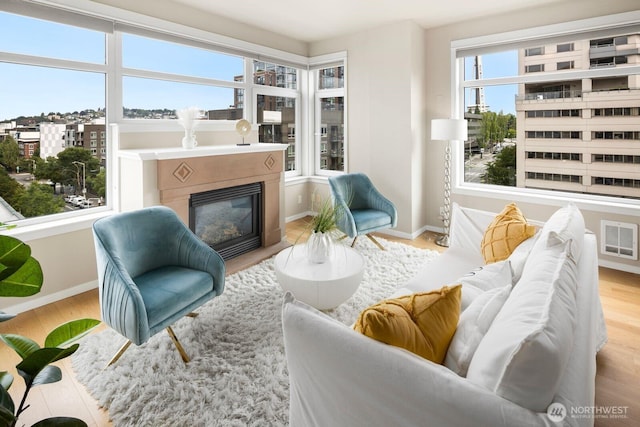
<point x="322" y="286"/>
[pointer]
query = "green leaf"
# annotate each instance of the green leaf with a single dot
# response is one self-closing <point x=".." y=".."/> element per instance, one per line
<point x="69" y="332"/>
<point x="6" y="416"/>
<point x="31" y="366"/>
<point x="22" y="345"/>
<point x="7" y="407"/>
<point x="49" y="374"/>
<point x="23" y="282"/>
<point x="13" y="253"/>
<point x="60" y="422"/>
<point x="6" y="379"/>
<point x="6" y="316"/>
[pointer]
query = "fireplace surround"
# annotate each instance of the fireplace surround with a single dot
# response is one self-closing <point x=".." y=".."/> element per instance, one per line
<point x="170" y="176"/>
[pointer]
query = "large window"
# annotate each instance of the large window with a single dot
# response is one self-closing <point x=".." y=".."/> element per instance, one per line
<point x="66" y="76"/>
<point x="550" y="113"/>
<point x="53" y="108"/>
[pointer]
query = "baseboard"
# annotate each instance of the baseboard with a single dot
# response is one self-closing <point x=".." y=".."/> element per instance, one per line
<point x="619" y="266"/>
<point x="410" y="236"/>
<point x="48" y="299"/>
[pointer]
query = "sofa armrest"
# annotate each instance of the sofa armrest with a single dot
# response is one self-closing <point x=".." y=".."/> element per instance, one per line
<point x="340" y="377"/>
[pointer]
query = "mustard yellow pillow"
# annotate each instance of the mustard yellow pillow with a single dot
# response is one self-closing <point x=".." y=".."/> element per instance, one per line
<point x="507" y="230"/>
<point x="423" y="323"/>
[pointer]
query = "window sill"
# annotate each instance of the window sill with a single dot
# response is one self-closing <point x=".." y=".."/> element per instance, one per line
<point x="46" y="229"/>
<point x="584" y="202"/>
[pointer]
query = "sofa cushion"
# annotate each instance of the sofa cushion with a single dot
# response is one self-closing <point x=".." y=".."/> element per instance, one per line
<point x="565" y="225"/>
<point x="523" y="355"/>
<point x="472" y="327"/>
<point x="508" y="229"/>
<point x="422" y="323"/>
<point x="482" y="279"/>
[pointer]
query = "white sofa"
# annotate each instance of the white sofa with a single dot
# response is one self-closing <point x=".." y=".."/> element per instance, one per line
<point x="339" y="377"/>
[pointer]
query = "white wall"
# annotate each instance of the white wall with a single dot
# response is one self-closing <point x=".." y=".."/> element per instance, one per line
<point x="386" y="121"/>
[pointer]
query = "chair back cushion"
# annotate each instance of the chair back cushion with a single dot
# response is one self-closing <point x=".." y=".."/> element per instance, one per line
<point x="354" y="188"/>
<point x="139" y="238"/>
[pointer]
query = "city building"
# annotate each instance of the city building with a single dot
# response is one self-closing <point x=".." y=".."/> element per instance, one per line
<point x="580" y="135"/>
<point x="51" y="139"/>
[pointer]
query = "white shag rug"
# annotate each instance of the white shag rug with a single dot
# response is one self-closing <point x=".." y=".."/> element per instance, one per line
<point x="238" y="372"/>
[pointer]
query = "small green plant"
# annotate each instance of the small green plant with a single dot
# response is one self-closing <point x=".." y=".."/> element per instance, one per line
<point x="325" y="221"/>
<point x="21" y="276"/>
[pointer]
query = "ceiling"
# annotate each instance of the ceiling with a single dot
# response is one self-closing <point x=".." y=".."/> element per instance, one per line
<point x="310" y="21"/>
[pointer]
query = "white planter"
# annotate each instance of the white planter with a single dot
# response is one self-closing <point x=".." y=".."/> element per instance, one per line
<point x="319" y="247"/>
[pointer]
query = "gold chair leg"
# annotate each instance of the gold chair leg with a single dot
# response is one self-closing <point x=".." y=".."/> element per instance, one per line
<point x="193" y="314"/>
<point x="354" y="241"/>
<point x="183" y="354"/>
<point x="375" y="241"/>
<point x="120" y="352"/>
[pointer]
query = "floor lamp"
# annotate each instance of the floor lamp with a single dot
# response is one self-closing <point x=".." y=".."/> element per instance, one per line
<point x="447" y="130"/>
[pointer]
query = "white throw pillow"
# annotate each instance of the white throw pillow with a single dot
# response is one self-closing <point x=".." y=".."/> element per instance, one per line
<point x="482" y="279"/>
<point x="565" y="225"/>
<point x="519" y="256"/>
<point x="472" y="327"/>
<point x="525" y="351"/>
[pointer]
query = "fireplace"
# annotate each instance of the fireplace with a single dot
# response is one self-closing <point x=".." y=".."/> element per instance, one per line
<point x="228" y="219"/>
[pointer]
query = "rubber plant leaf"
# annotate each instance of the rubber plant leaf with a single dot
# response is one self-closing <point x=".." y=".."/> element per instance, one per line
<point x="6" y="415"/>
<point x="31" y="366"/>
<point x="49" y="374"/>
<point x="7" y="407"/>
<point x="6" y="379"/>
<point x="25" y="281"/>
<point x="22" y="345"/>
<point x="6" y="316"/>
<point x="60" y="422"/>
<point x="13" y="253"/>
<point x="69" y="332"/>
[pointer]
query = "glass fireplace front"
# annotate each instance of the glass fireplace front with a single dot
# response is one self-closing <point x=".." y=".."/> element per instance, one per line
<point x="228" y="219"/>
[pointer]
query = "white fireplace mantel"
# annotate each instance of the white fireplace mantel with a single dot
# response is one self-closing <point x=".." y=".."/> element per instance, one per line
<point x="144" y="154"/>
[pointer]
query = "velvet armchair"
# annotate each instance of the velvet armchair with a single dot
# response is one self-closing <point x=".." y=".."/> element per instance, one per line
<point x="152" y="271"/>
<point x="361" y="208"/>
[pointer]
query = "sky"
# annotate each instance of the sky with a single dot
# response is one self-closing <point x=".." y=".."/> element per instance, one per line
<point x="31" y="90"/>
<point x="502" y="64"/>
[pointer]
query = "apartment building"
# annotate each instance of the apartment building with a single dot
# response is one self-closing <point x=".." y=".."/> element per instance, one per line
<point x="91" y="137"/>
<point x="580" y="134"/>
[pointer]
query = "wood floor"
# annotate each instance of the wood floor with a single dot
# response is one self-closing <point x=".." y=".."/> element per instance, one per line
<point x="617" y="380"/>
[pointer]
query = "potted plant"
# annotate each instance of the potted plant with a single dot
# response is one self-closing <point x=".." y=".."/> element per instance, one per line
<point x="21" y="276"/>
<point x="323" y="227"/>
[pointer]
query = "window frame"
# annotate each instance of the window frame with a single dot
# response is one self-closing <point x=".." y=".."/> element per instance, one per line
<point x="555" y="33"/>
<point x="316" y="95"/>
<point x="118" y="20"/>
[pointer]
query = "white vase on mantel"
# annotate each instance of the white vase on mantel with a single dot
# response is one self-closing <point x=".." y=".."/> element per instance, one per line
<point x="189" y="139"/>
<point x="319" y="247"/>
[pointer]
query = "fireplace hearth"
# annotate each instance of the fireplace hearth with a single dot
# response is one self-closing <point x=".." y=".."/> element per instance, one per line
<point x="228" y="219"/>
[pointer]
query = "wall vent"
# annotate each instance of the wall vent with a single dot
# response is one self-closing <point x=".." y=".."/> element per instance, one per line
<point x="619" y="239"/>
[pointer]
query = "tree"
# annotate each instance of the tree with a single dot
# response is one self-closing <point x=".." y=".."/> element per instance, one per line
<point x="9" y="153"/>
<point x="10" y="189"/>
<point x="502" y="170"/>
<point x="39" y="200"/>
<point x="98" y="183"/>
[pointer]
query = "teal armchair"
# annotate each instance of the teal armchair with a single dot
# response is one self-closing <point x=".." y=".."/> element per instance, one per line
<point x="152" y="271"/>
<point x="361" y="208"/>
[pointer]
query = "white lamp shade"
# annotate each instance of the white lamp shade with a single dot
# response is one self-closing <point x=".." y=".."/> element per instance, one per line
<point x="449" y="129"/>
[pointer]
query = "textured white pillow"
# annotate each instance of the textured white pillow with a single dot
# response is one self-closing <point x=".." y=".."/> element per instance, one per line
<point x="472" y="327"/>
<point x="565" y="225"/>
<point x="482" y="279"/>
<point x="520" y="254"/>
<point x="524" y="353"/>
